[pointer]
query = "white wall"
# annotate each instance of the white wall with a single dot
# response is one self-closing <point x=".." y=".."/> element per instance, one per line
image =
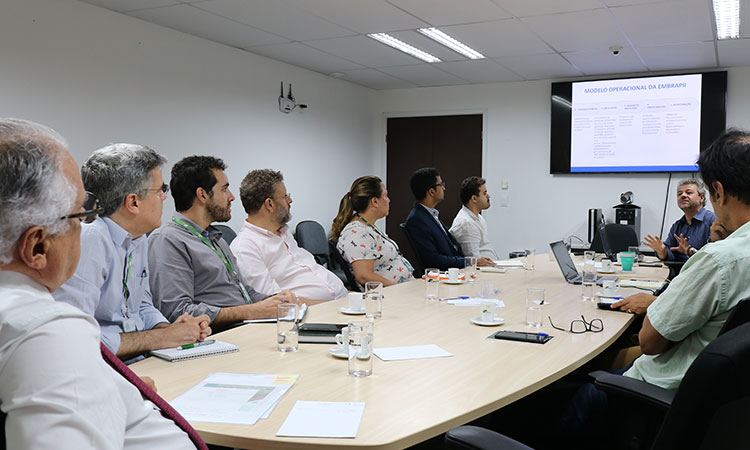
<point x="543" y="207"/>
<point x="99" y="77"/>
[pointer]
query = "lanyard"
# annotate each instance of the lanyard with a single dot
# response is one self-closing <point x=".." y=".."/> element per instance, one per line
<point x="406" y="262"/>
<point x="218" y="253"/>
<point x="125" y="278"/>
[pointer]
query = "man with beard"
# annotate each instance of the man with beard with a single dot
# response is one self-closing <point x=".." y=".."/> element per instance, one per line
<point x="192" y="269"/>
<point x="692" y="231"/>
<point x="267" y="253"/>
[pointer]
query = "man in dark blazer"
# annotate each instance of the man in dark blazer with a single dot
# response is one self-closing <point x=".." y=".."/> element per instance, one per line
<point x="431" y="239"/>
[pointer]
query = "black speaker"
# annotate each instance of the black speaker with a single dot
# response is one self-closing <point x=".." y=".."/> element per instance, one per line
<point x="596" y="219"/>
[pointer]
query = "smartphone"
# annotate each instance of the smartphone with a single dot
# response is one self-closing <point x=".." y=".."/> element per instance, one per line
<point x="520" y="336"/>
<point x="607" y="302"/>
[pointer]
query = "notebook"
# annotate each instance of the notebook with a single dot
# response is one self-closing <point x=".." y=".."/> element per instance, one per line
<point x="568" y="267"/>
<point x="174" y="354"/>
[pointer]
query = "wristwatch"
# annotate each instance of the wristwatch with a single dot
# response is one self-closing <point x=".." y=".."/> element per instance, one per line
<point x="692" y="251"/>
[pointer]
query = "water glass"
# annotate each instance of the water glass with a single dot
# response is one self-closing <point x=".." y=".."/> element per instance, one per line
<point x="432" y="285"/>
<point x="373" y="300"/>
<point x="470" y="268"/>
<point x="529" y="258"/>
<point x="360" y="348"/>
<point x="534" y="306"/>
<point x="636" y="251"/>
<point x="588" y="279"/>
<point x="287" y="333"/>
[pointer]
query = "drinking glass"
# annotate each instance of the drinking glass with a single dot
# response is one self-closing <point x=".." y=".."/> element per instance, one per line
<point x="360" y="348"/>
<point x="373" y="300"/>
<point x="287" y="333"/>
<point x="432" y="285"/>
<point x="534" y="306"/>
<point x="529" y="259"/>
<point x="470" y="268"/>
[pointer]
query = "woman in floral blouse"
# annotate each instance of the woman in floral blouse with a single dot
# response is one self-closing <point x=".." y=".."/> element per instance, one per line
<point x="372" y="254"/>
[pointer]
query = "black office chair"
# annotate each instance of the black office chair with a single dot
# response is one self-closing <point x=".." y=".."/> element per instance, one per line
<point x="419" y="266"/>
<point x="343" y="265"/>
<point x="311" y="236"/>
<point x="227" y="233"/>
<point x="613" y="238"/>
<point x="710" y="410"/>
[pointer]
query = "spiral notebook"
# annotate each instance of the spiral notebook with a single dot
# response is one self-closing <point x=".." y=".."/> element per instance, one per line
<point x="174" y="354"/>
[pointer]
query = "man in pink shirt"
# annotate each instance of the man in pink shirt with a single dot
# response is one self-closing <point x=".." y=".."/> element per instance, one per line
<point x="267" y="254"/>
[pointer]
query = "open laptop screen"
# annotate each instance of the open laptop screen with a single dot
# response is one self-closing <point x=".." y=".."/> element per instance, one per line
<point x="564" y="260"/>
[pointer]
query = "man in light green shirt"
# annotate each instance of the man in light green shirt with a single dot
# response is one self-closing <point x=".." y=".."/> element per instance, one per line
<point x="690" y="313"/>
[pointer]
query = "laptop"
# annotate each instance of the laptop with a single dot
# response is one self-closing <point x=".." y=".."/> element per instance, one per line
<point x="568" y="267"/>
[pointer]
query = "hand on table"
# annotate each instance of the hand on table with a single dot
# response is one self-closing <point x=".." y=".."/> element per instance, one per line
<point x="186" y="330"/>
<point x="485" y="262"/>
<point x="635" y="304"/>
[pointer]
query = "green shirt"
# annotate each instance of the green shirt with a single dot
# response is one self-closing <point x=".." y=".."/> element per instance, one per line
<point x="693" y="309"/>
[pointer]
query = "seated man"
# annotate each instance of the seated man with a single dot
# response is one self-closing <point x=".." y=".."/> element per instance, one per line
<point x="431" y="240"/>
<point x="111" y="281"/>
<point x="692" y="230"/>
<point x="267" y="254"/>
<point x="55" y="387"/>
<point x="192" y="269"/>
<point x="469" y="227"/>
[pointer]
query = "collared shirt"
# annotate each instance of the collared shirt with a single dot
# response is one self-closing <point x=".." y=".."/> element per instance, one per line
<point x="188" y="277"/>
<point x="55" y="387"/>
<point x="698" y="233"/>
<point x="272" y="263"/>
<point x="470" y="231"/>
<point x="96" y="288"/>
<point x="436" y="215"/>
<point x="692" y="310"/>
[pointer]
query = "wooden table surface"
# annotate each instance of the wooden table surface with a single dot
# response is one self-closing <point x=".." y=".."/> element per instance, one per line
<point x="410" y="401"/>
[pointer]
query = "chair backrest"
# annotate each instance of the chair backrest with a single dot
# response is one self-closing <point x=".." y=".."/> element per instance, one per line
<point x="227" y="233"/>
<point x="344" y="266"/>
<point x="739" y="315"/>
<point x="710" y="408"/>
<point x="419" y="266"/>
<point x="312" y="237"/>
<point x="613" y="238"/>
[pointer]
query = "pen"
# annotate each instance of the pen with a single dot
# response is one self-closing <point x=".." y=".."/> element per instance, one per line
<point x="463" y="297"/>
<point x="197" y="344"/>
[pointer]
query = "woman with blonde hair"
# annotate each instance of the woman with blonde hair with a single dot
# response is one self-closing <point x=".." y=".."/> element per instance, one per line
<point x="373" y="255"/>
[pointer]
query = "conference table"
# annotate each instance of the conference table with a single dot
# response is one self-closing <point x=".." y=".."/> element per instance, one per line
<point x="410" y="401"/>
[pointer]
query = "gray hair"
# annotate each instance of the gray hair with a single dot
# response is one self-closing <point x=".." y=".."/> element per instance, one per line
<point x="113" y="172"/>
<point x="33" y="189"/>
<point x="699" y="185"/>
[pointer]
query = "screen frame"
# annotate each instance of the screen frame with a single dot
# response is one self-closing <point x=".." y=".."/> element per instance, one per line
<point x="713" y="118"/>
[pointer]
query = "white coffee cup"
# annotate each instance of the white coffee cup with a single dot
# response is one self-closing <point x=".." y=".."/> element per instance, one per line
<point x="342" y="339"/>
<point x="453" y="274"/>
<point x="487" y="311"/>
<point x="606" y="265"/>
<point x="355" y="301"/>
<point x="609" y="287"/>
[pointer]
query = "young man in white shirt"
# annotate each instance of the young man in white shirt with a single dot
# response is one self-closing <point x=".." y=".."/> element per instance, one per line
<point x="469" y="227"/>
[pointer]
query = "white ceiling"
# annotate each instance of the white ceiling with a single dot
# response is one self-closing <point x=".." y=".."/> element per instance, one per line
<point x="523" y="39"/>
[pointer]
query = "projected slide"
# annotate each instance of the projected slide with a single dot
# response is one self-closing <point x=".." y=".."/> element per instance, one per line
<point x="637" y="124"/>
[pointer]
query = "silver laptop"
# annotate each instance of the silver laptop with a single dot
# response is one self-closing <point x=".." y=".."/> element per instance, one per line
<point x="568" y="267"/>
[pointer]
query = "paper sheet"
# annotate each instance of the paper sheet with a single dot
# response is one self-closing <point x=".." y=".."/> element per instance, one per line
<point x="323" y="419"/>
<point x="475" y="301"/>
<point x="509" y="263"/>
<point x="410" y="352"/>
<point x="235" y="398"/>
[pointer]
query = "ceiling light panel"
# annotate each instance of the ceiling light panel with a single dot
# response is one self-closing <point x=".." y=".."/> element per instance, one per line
<point x="451" y="43"/>
<point x="727" y="14"/>
<point x="391" y="41"/>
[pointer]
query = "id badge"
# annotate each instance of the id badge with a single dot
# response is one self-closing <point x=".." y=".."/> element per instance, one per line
<point x="128" y="325"/>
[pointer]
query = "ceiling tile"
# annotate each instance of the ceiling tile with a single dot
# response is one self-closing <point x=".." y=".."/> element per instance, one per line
<point x="448" y="12"/>
<point x="584" y="30"/>
<point x="362" y="16"/>
<point x="363" y="50"/>
<point x="597" y="62"/>
<point x="479" y="71"/>
<point x="130" y="5"/>
<point x="188" y="19"/>
<point x="745" y="18"/>
<point x="279" y="17"/>
<point x="301" y="55"/>
<point x="537" y="67"/>
<point x="662" y="23"/>
<point x="694" y="55"/>
<point x="423" y="75"/>
<point x="734" y="52"/>
<point x="522" y="8"/>
<point x="499" y="38"/>
<point x="376" y="80"/>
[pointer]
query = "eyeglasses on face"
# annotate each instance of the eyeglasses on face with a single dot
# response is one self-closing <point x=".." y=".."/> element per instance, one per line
<point x="163" y="189"/>
<point x="581" y="326"/>
<point x="91" y="209"/>
<point x="441" y="184"/>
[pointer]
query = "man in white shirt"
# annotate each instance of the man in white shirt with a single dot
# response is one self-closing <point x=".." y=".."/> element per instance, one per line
<point x="55" y="388"/>
<point x="267" y="254"/>
<point x="469" y="227"/>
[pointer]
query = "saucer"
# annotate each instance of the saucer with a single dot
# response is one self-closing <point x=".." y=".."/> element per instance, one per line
<point x="354" y="312"/>
<point x="338" y="352"/>
<point x="493" y="323"/>
<point x="453" y="282"/>
<point x="606" y="271"/>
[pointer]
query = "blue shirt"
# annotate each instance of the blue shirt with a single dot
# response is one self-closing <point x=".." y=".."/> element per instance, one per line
<point x="96" y="288"/>
<point x="698" y="233"/>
